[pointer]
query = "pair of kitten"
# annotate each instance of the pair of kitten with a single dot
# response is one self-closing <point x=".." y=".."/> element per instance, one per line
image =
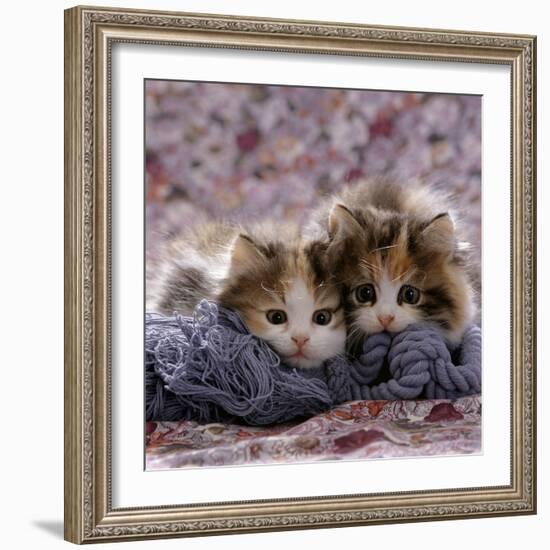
<point x="379" y="256"/>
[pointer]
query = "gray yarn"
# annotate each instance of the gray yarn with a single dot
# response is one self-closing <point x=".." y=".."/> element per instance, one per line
<point x="420" y="365"/>
<point x="210" y="368"/>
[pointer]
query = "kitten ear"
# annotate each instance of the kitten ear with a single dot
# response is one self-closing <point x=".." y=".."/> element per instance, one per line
<point x="342" y="223"/>
<point x="439" y="234"/>
<point x="245" y="253"/>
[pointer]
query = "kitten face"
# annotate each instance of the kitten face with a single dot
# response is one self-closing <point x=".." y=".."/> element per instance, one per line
<point x="399" y="270"/>
<point x="286" y="297"/>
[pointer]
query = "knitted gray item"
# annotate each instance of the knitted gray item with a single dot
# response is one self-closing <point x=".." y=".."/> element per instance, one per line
<point x="210" y="368"/>
<point x="420" y="365"/>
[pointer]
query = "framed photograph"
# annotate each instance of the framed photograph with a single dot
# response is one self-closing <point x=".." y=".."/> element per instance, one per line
<point x="300" y="274"/>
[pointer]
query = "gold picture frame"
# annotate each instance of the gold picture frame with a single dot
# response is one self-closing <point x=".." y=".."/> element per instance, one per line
<point x="89" y="35"/>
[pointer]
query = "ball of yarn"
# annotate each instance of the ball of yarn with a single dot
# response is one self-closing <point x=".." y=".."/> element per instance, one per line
<point x="420" y="365"/>
<point x="210" y="368"/>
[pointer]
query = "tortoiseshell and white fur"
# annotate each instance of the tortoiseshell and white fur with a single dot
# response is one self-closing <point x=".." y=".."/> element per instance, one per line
<point x="396" y="249"/>
<point x="279" y="283"/>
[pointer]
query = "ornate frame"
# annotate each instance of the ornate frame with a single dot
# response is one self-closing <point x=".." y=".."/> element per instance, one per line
<point x="89" y="35"/>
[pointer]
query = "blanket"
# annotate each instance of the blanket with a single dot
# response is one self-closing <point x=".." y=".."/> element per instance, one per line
<point x="355" y="430"/>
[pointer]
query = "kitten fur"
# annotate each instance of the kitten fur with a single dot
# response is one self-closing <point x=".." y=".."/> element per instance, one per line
<point x="394" y="236"/>
<point x="254" y="271"/>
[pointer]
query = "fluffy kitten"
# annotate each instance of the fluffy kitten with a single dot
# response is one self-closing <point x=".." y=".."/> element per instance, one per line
<point x="396" y="250"/>
<point x="278" y="283"/>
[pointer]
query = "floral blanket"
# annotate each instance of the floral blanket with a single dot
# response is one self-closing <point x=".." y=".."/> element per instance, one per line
<point x="354" y="430"/>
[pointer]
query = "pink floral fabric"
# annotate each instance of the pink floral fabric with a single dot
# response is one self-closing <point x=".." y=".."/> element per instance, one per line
<point x="355" y="430"/>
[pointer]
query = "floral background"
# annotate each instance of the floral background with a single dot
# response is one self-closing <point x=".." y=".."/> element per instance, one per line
<point x="248" y="152"/>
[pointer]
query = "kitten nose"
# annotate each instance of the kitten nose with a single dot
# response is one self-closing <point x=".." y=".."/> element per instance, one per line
<point x="385" y="320"/>
<point x="300" y="341"/>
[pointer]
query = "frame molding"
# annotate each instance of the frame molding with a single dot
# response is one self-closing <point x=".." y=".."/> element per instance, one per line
<point x="89" y="35"/>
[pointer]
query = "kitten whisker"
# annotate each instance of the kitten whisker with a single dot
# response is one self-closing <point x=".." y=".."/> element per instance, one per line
<point x="424" y="276"/>
<point x="383" y="248"/>
<point x="324" y="284"/>
<point x="370" y="265"/>
<point x="269" y="290"/>
<point x="409" y="271"/>
<point x="354" y="337"/>
<point x="355" y="329"/>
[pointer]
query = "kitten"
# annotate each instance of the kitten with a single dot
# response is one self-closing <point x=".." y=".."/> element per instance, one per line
<point x="397" y="251"/>
<point x="279" y="284"/>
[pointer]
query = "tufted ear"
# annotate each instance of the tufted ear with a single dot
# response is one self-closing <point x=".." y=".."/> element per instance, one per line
<point x="342" y="224"/>
<point x="245" y="254"/>
<point x="439" y="234"/>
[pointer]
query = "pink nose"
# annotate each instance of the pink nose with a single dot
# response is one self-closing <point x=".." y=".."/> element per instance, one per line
<point x="300" y="341"/>
<point x="386" y="320"/>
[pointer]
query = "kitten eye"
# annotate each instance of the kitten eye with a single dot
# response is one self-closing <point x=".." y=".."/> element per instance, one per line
<point x="276" y="316"/>
<point x="322" y="317"/>
<point x="365" y="294"/>
<point x="409" y="294"/>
